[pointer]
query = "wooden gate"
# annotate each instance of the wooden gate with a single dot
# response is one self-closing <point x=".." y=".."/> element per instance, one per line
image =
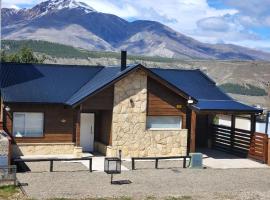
<point x="259" y="147"/>
<point x="234" y="141"/>
<point x="240" y="142"/>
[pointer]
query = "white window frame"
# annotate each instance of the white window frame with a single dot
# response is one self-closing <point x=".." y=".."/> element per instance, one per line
<point x="165" y="128"/>
<point x="25" y="135"/>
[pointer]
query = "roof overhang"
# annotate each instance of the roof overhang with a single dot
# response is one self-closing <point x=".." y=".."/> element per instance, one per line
<point x="224" y="107"/>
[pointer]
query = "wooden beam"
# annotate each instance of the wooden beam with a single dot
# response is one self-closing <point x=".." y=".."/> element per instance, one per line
<point x="193" y="131"/>
<point x="253" y="123"/>
<point x="268" y="156"/>
<point x="232" y="130"/>
<point x="77" y="127"/>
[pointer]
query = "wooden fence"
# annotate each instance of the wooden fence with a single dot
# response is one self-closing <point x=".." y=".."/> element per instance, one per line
<point x="259" y="147"/>
<point x="240" y="142"/>
<point x="234" y="141"/>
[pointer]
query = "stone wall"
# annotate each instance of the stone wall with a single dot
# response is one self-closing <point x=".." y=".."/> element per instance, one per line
<point x="21" y="149"/>
<point x="4" y="149"/>
<point x="129" y="131"/>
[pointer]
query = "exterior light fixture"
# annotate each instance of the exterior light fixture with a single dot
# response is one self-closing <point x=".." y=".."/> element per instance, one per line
<point x="63" y="120"/>
<point x="112" y="165"/>
<point x="7" y="108"/>
<point x="190" y="101"/>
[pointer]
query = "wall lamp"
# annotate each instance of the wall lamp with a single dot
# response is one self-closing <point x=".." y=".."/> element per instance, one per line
<point x="190" y="101"/>
<point x="7" y="108"/>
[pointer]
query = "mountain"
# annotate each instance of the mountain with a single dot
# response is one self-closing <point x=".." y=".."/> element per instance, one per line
<point x="77" y="24"/>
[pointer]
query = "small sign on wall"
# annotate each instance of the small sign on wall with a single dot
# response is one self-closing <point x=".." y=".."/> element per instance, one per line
<point x="178" y="106"/>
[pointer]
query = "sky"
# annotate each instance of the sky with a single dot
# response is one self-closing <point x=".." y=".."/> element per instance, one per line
<point x="241" y="22"/>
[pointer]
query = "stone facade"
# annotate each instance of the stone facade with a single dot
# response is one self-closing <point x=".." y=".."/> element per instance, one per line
<point x="4" y="149"/>
<point x="129" y="131"/>
<point x="44" y="149"/>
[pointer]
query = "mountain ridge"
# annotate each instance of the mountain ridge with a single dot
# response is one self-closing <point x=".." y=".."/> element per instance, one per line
<point x="74" y="23"/>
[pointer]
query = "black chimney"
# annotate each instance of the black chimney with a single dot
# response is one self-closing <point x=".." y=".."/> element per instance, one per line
<point x="123" y="60"/>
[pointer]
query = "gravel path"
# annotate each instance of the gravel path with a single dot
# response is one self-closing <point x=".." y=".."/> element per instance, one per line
<point x="72" y="180"/>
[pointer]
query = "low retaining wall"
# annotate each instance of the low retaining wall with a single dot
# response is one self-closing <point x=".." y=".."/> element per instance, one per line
<point x="5" y="152"/>
<point x="42" y="149"/>
<point x="102" y="148"/>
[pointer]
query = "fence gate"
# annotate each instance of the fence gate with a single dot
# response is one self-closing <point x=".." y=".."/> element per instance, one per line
<point x="259" y="147"/>
<point x="234" y="141"/>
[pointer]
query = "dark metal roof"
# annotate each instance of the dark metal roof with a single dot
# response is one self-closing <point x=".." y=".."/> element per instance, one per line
<point x="193" y="82"/>
<point x="70" y="85"/>
<point x="223" y="105"/>
<point x="103" y="78"/>
<point x="43" y="83"/>
<point x="203" y="89"/>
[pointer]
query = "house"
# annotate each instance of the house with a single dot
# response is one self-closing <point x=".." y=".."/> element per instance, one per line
<point x="60" y="109"/>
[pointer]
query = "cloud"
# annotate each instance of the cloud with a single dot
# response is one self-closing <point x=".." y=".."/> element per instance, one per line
<point x="256" y="12"/>
<point x="214" y="24"/>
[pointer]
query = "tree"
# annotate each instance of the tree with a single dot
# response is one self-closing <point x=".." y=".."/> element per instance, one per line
<point x="25" y="55"/>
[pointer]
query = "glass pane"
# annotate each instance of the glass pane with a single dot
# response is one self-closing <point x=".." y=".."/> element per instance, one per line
<point x="19" y="124"/>
<point x="164" y="122"/>
<point x="34" y="125"/>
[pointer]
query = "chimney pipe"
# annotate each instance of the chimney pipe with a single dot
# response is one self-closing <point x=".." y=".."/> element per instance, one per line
<point x="123" y="60"/>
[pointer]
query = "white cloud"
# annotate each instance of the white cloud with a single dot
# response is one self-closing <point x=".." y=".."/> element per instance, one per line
<point x="218" y="24"/>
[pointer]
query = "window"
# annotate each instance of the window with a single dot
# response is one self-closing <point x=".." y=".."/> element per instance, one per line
<point x="164" y="122"/>
<point x="28" y="124"/>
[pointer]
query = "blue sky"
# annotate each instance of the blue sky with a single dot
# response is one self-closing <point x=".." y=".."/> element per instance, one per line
<point x="241" y="22"/>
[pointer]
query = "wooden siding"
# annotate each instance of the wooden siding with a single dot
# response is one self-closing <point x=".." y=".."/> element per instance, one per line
<point x="55" y="131"/>
<point x="161" y="101"/>
<point x="103" y="132"/>
<point x="100" y="101"/>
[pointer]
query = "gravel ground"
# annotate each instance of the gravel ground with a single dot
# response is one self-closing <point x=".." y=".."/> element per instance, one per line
<point x="72" y="180"/>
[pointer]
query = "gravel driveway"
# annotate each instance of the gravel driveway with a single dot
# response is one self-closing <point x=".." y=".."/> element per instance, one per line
<point x="72" y="180"/>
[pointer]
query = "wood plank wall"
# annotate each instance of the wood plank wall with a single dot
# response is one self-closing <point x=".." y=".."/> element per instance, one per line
<point x="163" y="102"/>
<point x="100" y="101"/>
<point x="55" y="131"/>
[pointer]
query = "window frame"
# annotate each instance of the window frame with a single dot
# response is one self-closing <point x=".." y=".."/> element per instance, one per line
<point x="169" y="129"/>
<point x="30" y="137"/>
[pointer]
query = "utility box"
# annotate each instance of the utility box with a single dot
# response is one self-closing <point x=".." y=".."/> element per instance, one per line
<point x="196" y="160"/>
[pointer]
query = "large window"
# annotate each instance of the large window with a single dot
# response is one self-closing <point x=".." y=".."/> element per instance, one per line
<point x="164" y="122"/>
<point x="28" y="124"/>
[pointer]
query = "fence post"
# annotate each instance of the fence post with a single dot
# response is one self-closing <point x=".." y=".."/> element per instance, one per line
<point x="156" y="163"/>
<point x="184" y="162"/>
<point x="90" y="165"/>
<point x="232" y="131"/>
<point x="133" y="163"/>
<point x="268" y="146"/>
<point x="51" y="165"/>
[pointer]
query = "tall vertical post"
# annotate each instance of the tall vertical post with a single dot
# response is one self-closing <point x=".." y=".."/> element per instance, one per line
<point x="77" y="127"/>
<point x="193" y="132"/>
<point x="253" y="124"/>
<point x="232" y="131"/>
<point x="267" y="122"/>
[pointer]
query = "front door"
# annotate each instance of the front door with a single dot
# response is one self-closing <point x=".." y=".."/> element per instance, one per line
<point x="87" y="131"/>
